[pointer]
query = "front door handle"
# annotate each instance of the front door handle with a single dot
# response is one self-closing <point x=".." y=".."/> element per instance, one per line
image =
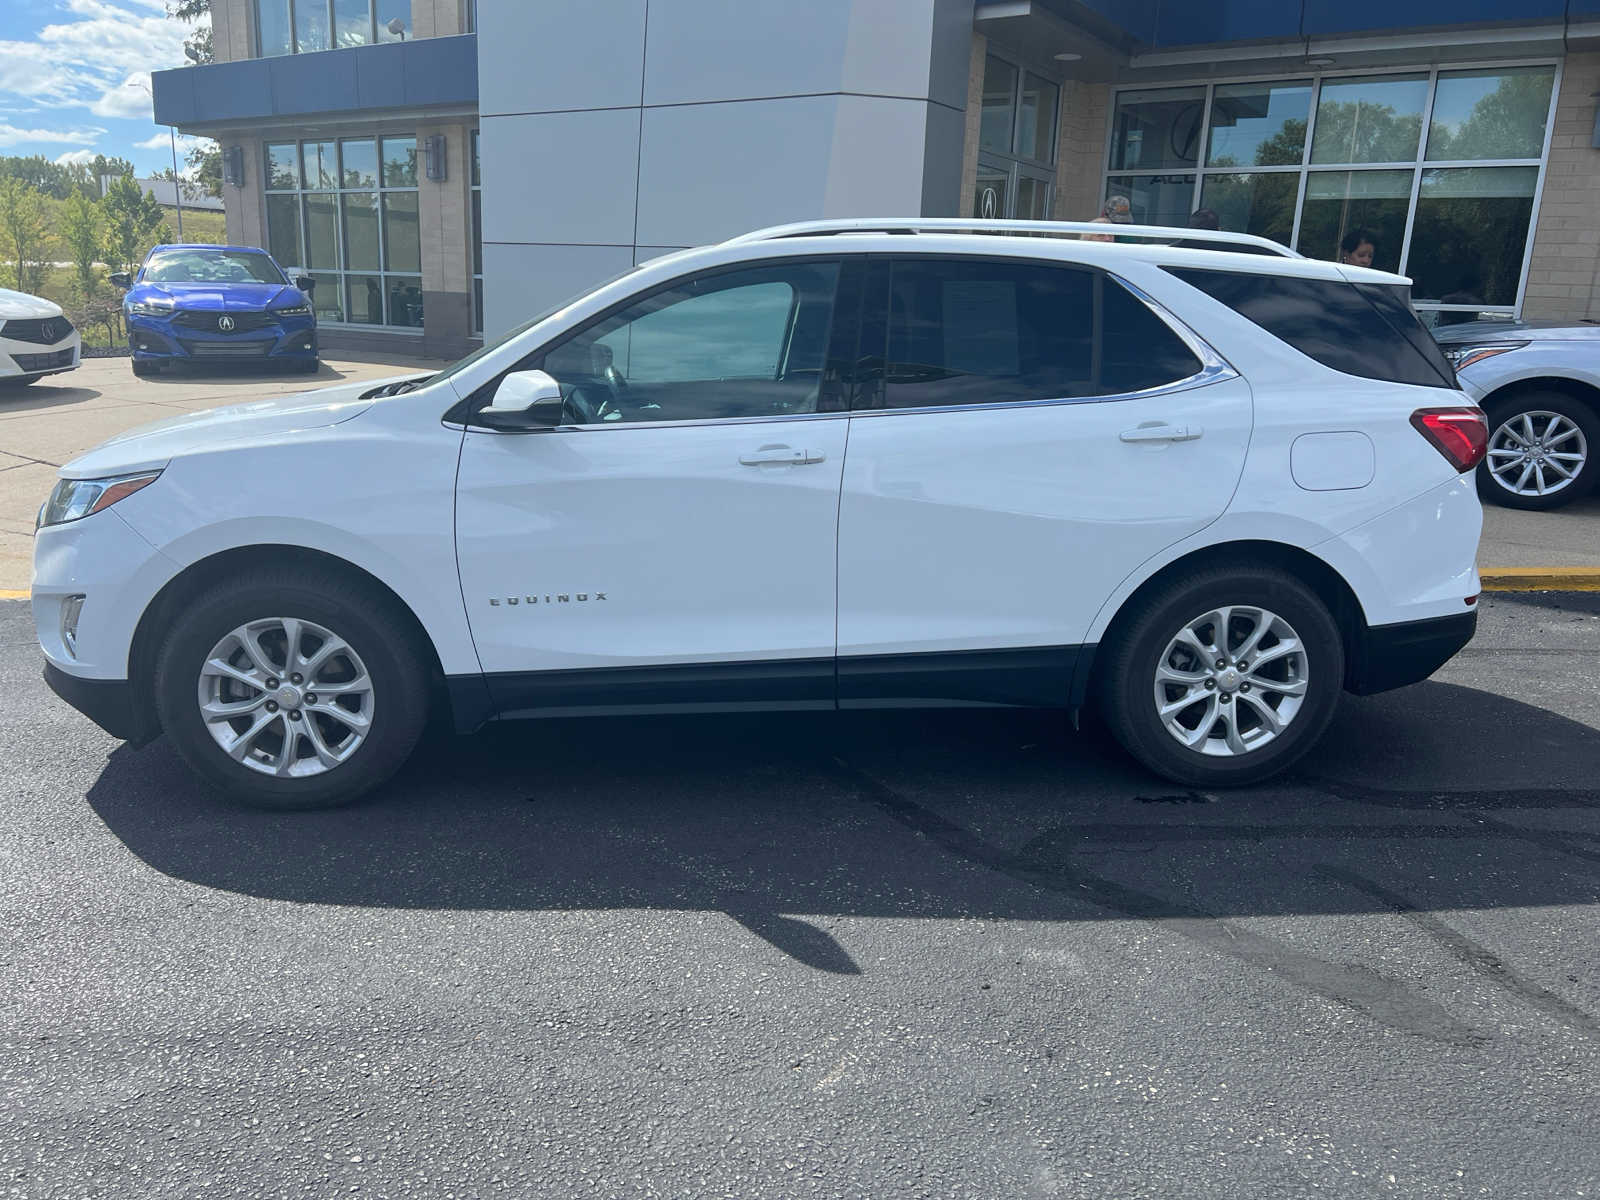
<point x="1154" y="432"/>
<point x="781" y="455"/>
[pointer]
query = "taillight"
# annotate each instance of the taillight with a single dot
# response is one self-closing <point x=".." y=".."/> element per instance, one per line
<point x="1460" y="434"/>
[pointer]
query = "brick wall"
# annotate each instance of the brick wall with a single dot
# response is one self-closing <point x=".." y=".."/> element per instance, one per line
<point x="969" y="159"/>
<point x="1564" y="272"/>
<point x="1081" y="150"/>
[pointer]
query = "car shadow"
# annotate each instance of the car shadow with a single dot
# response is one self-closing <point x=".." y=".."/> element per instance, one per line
<point x="43" y="394"/>
<point x="230" y="372"/>
<point x="951" y="814"/>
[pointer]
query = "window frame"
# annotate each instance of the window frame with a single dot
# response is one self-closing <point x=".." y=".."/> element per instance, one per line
<point x="289" y="7"/>
<point x="340" y="274"/>
<point x="843" y="328"/>
<point x="1419" y="163"/>
<point x="1016" y="165"/>
<point x="1213" y="367"/>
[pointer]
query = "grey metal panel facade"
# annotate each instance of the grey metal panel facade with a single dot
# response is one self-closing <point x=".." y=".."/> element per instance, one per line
<point x="741" y="114"/>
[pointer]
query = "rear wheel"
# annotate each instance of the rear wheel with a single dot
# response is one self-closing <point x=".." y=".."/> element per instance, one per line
<point x="289" y="689"/>
<point x="1542" y="450"/>
<point x="1223" y="677"/>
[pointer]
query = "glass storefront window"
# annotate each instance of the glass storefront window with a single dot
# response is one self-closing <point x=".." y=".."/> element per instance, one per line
<point x="1033" y="198"/>
<point x="360" y="231"/>
<point x="1470" y="233"/>
<point x="1157" y="129"/>
<point x="399" y="162"/>
<point x="365" y="302"/>
<point x="1261" y="203"/>
<point x="310" y="27"/>
<point x="1491" y="114"/>
<point x="283" y="165"/>
<point x="1156" y="199"/>
<point x="1371" y="119"/>
<point x="283" y="230"/>
<point x="322" y="165"/>
<point x="360" y="162"/>
<point x="1259" y="124"/>
<point x="322" y="233"/>
<point x="405" y="300"/>
<point x="387" y="13"/>
<point x="999" y="105"/>
<point x="1036" y="119"/>
<point x="402" y="248"/>
<point x="1342" y="202"/>
<point x="352" y="22"/>
<point x="273" y="29"/>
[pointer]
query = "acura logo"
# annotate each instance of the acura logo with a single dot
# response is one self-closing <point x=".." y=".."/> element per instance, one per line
<point x="225" y="324"/>
<point x="48" y="331"/>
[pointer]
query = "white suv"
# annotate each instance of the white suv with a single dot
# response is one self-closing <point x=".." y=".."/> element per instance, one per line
<point x="846" y="464"/>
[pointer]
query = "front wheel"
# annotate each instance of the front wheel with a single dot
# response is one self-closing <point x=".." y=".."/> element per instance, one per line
<point x="1542" y="450"/>
<point x="1223" y="677"/>
<point x="290" y="689"/>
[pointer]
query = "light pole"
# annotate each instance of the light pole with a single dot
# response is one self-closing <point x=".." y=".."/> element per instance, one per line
<point x="172" y="138"/>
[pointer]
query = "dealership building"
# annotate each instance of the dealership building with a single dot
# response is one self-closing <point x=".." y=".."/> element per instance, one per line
<point x="445" y="168"/>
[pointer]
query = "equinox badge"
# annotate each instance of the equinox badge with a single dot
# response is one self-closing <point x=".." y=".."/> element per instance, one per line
<point x="555" y="598"/>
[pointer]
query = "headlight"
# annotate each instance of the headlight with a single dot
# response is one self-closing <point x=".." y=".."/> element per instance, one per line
<point x="299" y="310"/>
<point x="149" y="308"/>
<point x="1468" y="353"/>
<point x="76" y="498"/>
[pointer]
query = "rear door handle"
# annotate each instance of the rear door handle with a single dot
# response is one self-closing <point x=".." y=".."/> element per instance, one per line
<point x="1161" y="433"/>
<point x="781" y="455"/>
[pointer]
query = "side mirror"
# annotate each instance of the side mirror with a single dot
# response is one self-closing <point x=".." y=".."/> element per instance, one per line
<point x="121" y="279"/>
<point x="305" y="283"/>
<point x="524" y="401"/>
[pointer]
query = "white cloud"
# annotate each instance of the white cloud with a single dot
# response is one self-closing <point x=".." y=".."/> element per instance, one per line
<point x="10" y="135"/>
<point x="127" y="100"/>
<point x="76" y="157"/>
<point x="86" y="58"/>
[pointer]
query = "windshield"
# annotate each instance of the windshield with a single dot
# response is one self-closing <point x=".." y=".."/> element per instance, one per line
<point x="212" y="266"/>
<point x="491" y="347"/>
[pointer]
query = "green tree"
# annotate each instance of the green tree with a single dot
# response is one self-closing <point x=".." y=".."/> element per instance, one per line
<point x="22" y="226"/>
<point x="1507" y="123"/>
<point x="133" y="222"/>
<point x="81" y="228"/>
<point x="198" y="46"/>
<point x="205" y="160"/>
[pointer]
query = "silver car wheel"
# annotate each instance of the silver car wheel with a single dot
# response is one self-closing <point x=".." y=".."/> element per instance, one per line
<point x="286" y="697"/>
<point x="1537" y="453"/>
<point x="1231" y="680"/>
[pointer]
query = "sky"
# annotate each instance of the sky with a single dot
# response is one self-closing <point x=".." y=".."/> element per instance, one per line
<point x="68" y="70"/>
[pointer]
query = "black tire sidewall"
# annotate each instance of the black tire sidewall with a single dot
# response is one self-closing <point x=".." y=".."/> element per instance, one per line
<point x="1128" y="690"/>
<point x="361" y="618"/>
<point x="1581" y="414"/>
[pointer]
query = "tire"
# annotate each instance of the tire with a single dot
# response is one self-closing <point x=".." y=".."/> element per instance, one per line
<point x="385" y="717"/>
<point x="1574" y="427"/>
<point x="145" y="369"/>
<point x="1144" y="642"/>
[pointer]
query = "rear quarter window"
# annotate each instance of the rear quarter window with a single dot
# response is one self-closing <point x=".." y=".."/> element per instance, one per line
<point x="1358" y="329"/>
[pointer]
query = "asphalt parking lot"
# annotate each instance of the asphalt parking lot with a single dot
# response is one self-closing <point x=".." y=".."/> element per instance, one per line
<point x="888" y="955"/>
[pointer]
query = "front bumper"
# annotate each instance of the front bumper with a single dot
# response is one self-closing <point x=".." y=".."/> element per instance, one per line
<point x="109" y="703"/>
<point x="31" y="360"/>
<point x="1392" y="656"/>
<point x="161" y="339"/>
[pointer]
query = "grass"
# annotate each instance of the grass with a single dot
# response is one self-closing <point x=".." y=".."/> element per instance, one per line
<point x="198" y="225"/>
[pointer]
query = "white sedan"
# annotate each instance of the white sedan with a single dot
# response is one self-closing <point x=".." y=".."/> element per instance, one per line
<point x="36" y="339"/>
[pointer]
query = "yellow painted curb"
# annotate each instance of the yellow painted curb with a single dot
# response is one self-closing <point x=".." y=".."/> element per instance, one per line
<point x="12" y="594"/>
<point x="1540" y="579"/>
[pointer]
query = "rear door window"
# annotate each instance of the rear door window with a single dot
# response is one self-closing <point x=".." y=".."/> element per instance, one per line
<point x="1359" y="329"/>
<point x="976" y="331"/>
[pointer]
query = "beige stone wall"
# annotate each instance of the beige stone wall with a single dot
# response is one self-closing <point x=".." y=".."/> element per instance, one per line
<point x="1081" y="150"/>
<point x="445" y="213"/>
<point x="231" y="29"/>
<point x="245" y="207"/>
<point x="1564" y="272"/>
<point x="969" y="153"/>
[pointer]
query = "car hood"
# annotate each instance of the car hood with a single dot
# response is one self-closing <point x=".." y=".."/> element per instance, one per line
<point x="149" y="447"/>
<point x="219" y="297"/>
<point x="1515" y="331"/>
<point x="18" y="306"/>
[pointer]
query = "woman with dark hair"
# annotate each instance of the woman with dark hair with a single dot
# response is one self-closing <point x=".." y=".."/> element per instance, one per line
<point x="1357" y="248"/>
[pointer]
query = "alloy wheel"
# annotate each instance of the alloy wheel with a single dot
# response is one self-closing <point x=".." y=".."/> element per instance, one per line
<point x="286" y="697"/>
<point x="1231" y="680"/>
<point x="1537" y="453"/>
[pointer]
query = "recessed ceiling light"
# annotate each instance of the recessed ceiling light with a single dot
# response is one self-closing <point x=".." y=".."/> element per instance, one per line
<point x="1319" y="60"/>
<point x="1068" y="57"/>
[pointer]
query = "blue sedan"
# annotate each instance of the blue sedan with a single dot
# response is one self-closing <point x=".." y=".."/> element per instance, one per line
<point x="217" y="303"/>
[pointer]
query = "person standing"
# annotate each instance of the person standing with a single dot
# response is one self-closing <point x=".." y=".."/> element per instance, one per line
<point x="1357" y="248"/>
